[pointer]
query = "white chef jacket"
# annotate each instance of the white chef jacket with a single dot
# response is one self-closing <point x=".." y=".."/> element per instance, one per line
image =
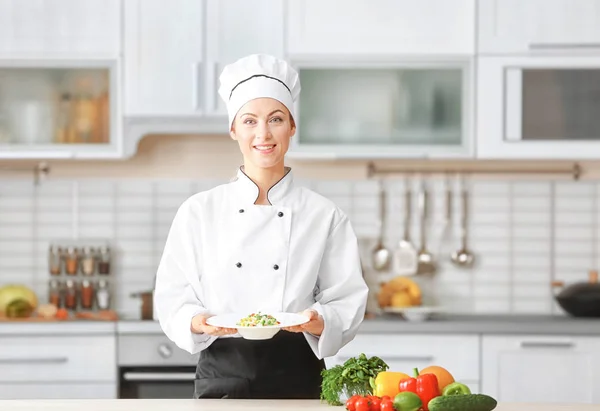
<point x="225" y="254"/>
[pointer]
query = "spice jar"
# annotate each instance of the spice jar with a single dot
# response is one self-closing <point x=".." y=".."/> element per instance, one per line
<point x="104" y="261"/>
<point x="103" y="295"/>
<point x="87" y="294"/>
<point x="88" y="261"/>
<point x="71" y="261"/>
<point x="54" y="259"/>
<point x="70" y="295"/>
<point x="54" y="293"/>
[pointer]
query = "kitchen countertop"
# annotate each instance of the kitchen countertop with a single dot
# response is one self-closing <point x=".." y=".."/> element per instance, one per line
<point x="386" y="324"/>
<point x="231" y="405"/>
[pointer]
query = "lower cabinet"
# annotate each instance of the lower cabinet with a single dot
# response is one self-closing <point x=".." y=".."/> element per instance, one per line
<point x="551" y="369"/>
<point x="53" y="391"/>
<point x="459" y="354"/>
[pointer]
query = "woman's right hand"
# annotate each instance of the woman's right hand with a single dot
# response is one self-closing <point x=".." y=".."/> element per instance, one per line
<point x="199" y="326"/>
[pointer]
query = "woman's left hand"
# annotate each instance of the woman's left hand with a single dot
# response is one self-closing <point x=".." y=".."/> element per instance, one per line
<point x="315" y="325"/>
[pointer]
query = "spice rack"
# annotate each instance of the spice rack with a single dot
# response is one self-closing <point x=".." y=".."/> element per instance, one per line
<point x="80" y="275"/>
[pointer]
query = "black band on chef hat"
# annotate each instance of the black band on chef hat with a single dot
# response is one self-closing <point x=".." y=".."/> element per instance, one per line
<point x="259" y="75"/>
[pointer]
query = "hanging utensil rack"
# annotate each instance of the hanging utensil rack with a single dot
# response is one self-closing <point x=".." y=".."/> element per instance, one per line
<point x="40" y="171"/>
<point x="575" y="170"/>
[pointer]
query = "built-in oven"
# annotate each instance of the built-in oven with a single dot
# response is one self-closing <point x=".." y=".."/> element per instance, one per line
<point x="151" y="366"/>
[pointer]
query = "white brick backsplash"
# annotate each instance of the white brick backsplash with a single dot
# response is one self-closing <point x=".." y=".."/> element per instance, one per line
<point x="138" y="187"/>
<point x="524" y="275"/>
<point x="131" y="203"/>
<point x="531" y="306"/>
<point x="524" y="234"/>
<point x="17" y="217"/>
<point x="531" y="204"/>
<point x="531" y="189"/>
<point x="491" y="306"/>
<point x="17" y="203"/>
<point x="585" y="190"/>
<point x="90" y="188"/>
<point x="97" y="231"/>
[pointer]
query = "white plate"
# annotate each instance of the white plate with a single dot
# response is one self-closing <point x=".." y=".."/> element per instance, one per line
<point x="257" y="333"/>
<point x="419" y="313"/>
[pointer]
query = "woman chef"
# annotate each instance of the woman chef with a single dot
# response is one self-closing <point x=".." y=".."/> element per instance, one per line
<point x="260" y="243"/>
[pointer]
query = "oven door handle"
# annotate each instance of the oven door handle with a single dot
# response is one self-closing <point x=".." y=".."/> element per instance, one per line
<point x="159" y="376"/>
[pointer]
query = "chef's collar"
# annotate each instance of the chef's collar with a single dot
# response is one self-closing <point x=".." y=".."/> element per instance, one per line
<point x="249" y="190"/>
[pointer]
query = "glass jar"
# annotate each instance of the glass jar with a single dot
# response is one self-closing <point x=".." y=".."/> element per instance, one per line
<point x="70" y="295"/>
<point x="104" y="261"/>
<point x="55" y="259"/>
<point x="88" y="261"/>
<point x="54" y="293"/>
<point x="71" y="261"/>
<point x="87" y="294"/>
<point x="103" y="295"/>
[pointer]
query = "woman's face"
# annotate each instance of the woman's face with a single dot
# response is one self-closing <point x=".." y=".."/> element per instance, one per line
<point x="263" y="128"/>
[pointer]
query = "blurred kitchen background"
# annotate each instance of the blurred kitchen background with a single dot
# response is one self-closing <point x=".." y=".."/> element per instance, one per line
<point x="110" y="119"/>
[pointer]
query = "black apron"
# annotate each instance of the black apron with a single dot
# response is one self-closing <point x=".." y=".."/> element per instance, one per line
<point x="283" y="367"/>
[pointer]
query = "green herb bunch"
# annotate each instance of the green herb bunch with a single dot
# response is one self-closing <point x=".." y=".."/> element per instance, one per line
<point x="350" y="378"/>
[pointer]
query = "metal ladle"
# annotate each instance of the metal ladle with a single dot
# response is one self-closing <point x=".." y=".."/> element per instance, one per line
<point x="427" y="264"/>
<point x="464" y="257"/>
<point x="381" y="255"/>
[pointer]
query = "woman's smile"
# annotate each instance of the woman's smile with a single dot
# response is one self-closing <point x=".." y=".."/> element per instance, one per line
<point x="265" y="148"/>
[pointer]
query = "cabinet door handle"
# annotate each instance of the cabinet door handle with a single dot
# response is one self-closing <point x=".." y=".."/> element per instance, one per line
<point x="548" y="46"/>
<point x="547" y="344"/>
<point x="159" y="376"/>
<point x="196" y="85"/>
<point x="43" y="360"/>
<point x="212" y="89"/>
<point x="400" y="358"/>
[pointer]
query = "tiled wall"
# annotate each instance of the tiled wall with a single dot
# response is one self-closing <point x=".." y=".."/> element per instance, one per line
<point x="524" y="233"/>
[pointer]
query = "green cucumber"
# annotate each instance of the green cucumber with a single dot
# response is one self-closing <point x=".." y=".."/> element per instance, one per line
<point x="467" y="402"/>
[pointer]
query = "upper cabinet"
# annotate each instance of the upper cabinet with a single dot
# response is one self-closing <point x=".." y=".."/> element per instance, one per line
<point x="60" y="79"/>
<point x="175" y="52"/>
<point x="384" y="110"/>
<point x="49" y="28"/>
<point x="386" y="27"/>
<point x="164" y="63"/>
<point x="538" y="26"/>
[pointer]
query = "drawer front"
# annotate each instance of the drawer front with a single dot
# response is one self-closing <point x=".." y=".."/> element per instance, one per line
<point x="72" y="358"/>
<point x="45" y="391"/>
<point x="155" y="350"/>
<point x="458" y="354"/>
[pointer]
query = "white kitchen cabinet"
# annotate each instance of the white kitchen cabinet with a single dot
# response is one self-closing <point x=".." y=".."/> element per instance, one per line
<point x="388" y="27"/>
<point x="174" y="52"/>
<point x="459" y="354"/>
<point x="65" y="108"/>
<point x="164" y="62"/>
<point x="384" y="109"/>
<point x="543" y="107"/>
<point x="235" y="29"/>
<point x="55" y="359"/>
<point x="532" y="26"/>
<point x="52" y="28"/>
<point x="551" y="369"/>
<point x="50" y="390"/>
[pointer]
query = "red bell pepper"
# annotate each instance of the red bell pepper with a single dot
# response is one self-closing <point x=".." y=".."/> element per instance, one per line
<point x="425" y="386"/>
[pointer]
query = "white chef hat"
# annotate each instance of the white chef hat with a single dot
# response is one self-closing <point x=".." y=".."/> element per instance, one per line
<point x="255" y="76"/>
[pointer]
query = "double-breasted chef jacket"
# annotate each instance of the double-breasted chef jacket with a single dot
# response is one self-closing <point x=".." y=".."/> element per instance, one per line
<point x="224" y="254"/>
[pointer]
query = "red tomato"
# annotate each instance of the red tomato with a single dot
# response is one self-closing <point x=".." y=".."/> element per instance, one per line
<point x="362" y="404"/>
<point x="387" y="406"/>
<point x="351" y="402"/>
<point x="375" y="404"/>
<point x="386" y="398"/>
